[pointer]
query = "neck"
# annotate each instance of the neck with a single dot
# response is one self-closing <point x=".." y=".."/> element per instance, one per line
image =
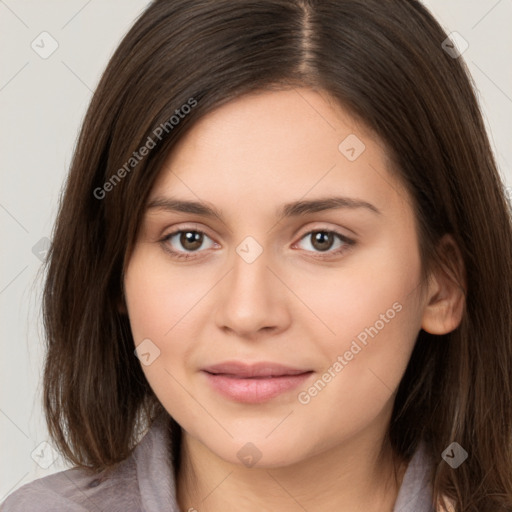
<point x="356" y="477"/>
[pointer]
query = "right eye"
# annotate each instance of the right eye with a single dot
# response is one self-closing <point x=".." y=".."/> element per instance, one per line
<point x="190" y="239"/>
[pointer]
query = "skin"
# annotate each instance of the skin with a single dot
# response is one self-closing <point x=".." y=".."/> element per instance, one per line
<point x="289" y="306"/>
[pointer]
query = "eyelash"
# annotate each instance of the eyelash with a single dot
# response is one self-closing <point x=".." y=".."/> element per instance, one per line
<point x="348" y="242"/>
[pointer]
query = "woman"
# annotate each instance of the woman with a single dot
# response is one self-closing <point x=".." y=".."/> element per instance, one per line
<point x="290" y="211"/>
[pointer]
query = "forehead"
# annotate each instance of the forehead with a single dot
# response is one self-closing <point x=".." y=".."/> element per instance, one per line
<point x="274" y="147"/>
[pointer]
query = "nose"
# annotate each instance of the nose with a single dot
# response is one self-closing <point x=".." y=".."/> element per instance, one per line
<point x="251" y="299"/>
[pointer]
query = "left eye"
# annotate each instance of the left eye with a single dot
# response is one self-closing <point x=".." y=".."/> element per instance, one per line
<point x="323" y="240"/>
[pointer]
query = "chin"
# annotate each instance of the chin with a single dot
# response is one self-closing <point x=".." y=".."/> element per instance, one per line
<point x="260" y="454"/>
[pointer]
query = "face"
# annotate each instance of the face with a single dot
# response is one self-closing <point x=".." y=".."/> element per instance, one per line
<point x="287" y="327"/>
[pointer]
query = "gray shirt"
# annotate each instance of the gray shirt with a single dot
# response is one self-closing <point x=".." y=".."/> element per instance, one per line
<point x="144" y="482"/>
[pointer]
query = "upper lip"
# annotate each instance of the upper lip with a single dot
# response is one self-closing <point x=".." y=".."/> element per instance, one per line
<point x="247" y="370"/>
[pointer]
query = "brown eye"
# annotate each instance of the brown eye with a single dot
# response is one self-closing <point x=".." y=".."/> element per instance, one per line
<point x="322" y="240"/>
<point x="327" y="241"/>
<point x="191" y="240"/>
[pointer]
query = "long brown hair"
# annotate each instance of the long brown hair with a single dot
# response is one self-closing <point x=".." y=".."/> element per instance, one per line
<point x="383" y="61"/>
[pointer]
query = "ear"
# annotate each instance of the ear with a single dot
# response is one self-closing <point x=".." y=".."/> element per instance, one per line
<point x="446" y="294"/>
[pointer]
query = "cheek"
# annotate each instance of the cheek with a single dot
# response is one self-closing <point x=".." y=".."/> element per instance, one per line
<point x="160" y="300"/>
<point x="374" y="295"/>
<point x="160" y="308"/>
<point x="374" y="312"/>
<point x="159" y="303"/>
<point x="359" y="382"/>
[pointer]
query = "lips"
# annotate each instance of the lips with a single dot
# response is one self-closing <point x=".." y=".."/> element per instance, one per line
<point x="254" y="383"/>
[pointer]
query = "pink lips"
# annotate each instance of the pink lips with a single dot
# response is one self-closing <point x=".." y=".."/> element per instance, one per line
<point x="254" y="383"/>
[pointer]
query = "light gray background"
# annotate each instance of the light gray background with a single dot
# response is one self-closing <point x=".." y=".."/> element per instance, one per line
<point x="42" y="104"/>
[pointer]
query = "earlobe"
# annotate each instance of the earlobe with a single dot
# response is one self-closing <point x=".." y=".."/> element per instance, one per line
<point x="446" y="290"/>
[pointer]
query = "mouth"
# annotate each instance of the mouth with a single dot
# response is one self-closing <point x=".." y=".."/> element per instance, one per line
<point x="254" y="383"/>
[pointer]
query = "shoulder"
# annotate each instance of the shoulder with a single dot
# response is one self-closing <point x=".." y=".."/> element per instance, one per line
<point x="143" y="481"/>
<point x="76" y="490"/>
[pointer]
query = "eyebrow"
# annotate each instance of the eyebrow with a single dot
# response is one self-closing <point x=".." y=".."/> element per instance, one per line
<point x="293" y="209"/>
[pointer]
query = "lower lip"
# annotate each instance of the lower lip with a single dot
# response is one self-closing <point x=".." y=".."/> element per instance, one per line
<point x="255" y="390"/>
